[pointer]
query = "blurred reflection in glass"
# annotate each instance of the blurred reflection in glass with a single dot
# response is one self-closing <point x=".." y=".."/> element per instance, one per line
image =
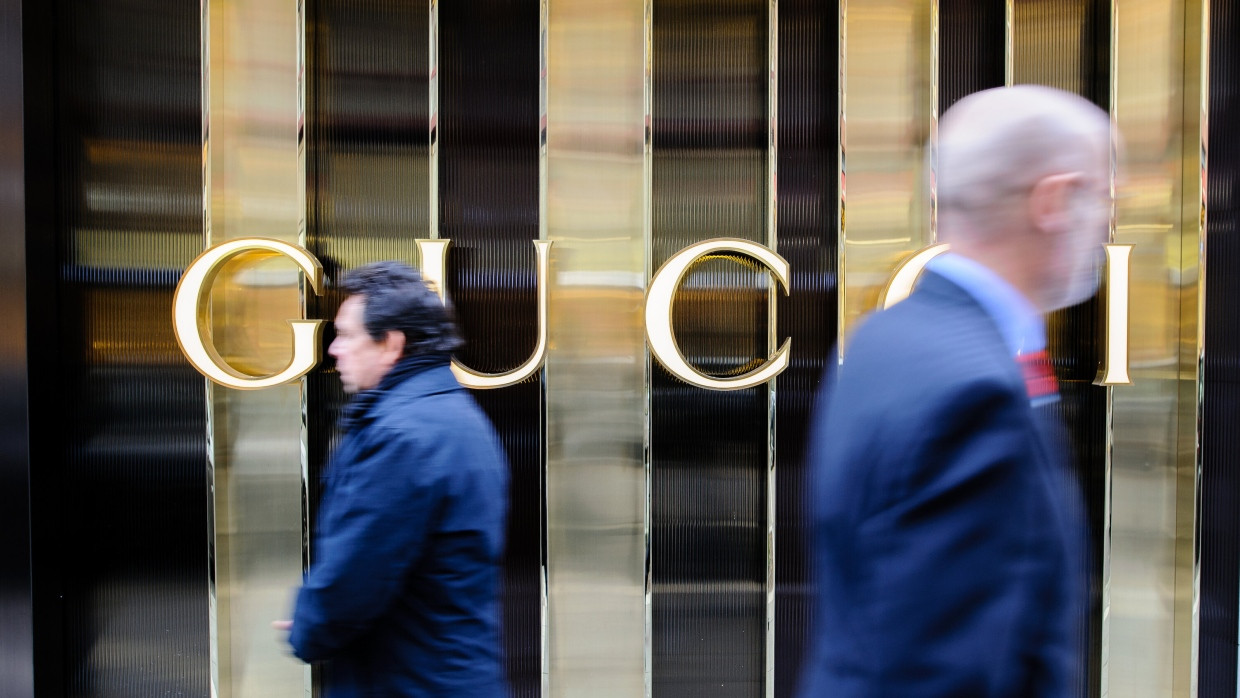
<point x="128" y="453"/>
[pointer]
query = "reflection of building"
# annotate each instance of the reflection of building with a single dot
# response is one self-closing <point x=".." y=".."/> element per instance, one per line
<point x="657" y="533"/>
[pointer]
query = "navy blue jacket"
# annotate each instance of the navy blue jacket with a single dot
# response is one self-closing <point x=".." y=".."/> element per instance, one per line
<point x="402" y="592"/>
<point x="947" y="529"/>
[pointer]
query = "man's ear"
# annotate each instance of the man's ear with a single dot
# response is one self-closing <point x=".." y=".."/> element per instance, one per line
<point x="394" y="343"/>
<point x="1050" y="201"/>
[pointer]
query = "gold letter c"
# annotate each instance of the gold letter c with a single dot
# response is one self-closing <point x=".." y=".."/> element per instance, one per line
<point x="662" y="337"/>
<point x="191" y="322"/>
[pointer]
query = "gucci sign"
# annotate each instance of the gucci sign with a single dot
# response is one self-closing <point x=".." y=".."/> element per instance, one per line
<point x="190" y="320"/>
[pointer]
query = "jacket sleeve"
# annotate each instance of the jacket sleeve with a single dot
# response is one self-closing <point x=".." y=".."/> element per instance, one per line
<point x="383" y="514"/>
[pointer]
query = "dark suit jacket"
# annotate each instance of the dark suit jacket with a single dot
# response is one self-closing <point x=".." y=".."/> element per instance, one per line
<point x="403" y="592"/>
<point x="946" y="532"/>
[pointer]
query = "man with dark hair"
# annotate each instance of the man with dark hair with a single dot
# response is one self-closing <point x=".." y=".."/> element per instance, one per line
<point x="402" y="593"/>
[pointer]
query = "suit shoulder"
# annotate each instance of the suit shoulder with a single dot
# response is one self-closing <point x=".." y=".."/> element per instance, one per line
<point x="443" y="423"/>
<point x="919" y="339"/>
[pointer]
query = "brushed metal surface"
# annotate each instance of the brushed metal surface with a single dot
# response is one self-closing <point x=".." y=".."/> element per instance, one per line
<point x="1152" y="582"/>
<point x="807" y="198"/>
<point x="254" y="186"/>
<point x="596" y="370"/>
<point x="888" y="107"/>
<point x="120" y="546"/>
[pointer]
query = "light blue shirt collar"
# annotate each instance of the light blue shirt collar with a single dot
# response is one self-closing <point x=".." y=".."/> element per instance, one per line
<point x="1019" y="322"/>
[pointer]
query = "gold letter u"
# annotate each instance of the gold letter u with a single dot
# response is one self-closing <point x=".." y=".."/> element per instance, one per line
<point x="434" y="263"/>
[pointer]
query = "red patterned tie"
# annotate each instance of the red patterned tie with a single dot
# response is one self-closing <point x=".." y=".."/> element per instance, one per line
<point x="1039" y="379"/>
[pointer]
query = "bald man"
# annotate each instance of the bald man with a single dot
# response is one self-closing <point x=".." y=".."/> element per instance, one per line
<point x="948" y="531"/>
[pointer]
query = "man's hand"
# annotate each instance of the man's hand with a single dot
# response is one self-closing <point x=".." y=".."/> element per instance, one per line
<point x="282" y="624"/>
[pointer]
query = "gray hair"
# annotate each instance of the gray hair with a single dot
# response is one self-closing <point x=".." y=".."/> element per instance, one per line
<point x="998" y="143"/>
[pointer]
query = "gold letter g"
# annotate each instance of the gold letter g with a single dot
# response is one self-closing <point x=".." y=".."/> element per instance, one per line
<point x="191" y="321"/>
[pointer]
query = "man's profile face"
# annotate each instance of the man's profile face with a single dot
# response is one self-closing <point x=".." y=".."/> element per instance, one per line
<point x="360" y="360"/>
<point x="1080" y="249"/>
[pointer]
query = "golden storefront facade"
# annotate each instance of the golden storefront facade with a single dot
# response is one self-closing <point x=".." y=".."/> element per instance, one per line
<point x="655" y="221"/>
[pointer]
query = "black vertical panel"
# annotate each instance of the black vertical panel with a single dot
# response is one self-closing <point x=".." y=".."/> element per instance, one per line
<point x="1074" y="343"/>
<point x="807" y="230"/>
<point x="16" y="593"/>
<point x="130" y="432"/>
<point x="709" y="449"/>
<point x="367" y="131"/>
<point x="367" y="164"/>
<point x="367" y="145"/>
<point x="972" y="48"/>
<point x="1220" y="440"/>
<point x="1074" y="334"/>
<point x="488" y="207"/>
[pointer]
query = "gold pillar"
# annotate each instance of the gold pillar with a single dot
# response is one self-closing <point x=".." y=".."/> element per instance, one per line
<point x="1157" y="80"/>
<point x="887" y="118"/>
<point x="255" y="186"/>
<point x="597" y="370"/>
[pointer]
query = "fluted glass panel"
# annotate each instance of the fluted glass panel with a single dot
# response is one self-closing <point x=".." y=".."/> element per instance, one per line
<point x="1220" y="440"/>
<point x="133" y="512"/>
<point x="709" y="449"/>
<point x="370" y="196"/>
<point x="367" y="165"/>
<point x="807" y="232"/>
<point x="367" y="144"/>
<point x="1066" y="44"/>
<point x="489" y="207"/>
<point x="972" y="53"/>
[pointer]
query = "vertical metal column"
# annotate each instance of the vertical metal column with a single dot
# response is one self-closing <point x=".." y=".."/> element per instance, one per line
<point x="1194" y="110"/>
<point x="1157" y="78"/>
<point x="772" y="339"/>
<point x="254" y="186"/>
<point x="216" y="613"/>
<point x="598" y="184"/>
<point x="1064" y="44"/>
<point x="889" y="112"/>
<point x="433" y="152"/>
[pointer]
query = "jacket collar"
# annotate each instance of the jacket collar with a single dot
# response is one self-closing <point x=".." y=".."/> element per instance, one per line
<point x="413" y="375"/>
<point x="1021" y="326"/>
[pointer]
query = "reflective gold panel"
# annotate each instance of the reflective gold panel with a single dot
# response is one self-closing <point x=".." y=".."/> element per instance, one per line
<point x="255" y="188"/>
<point x="596" y="361"/>
<point x="888" y="107"/>
<point x="1152" y="567"/>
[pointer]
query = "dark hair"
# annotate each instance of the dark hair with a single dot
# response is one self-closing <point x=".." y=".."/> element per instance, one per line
<point x="396" y="298"/>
